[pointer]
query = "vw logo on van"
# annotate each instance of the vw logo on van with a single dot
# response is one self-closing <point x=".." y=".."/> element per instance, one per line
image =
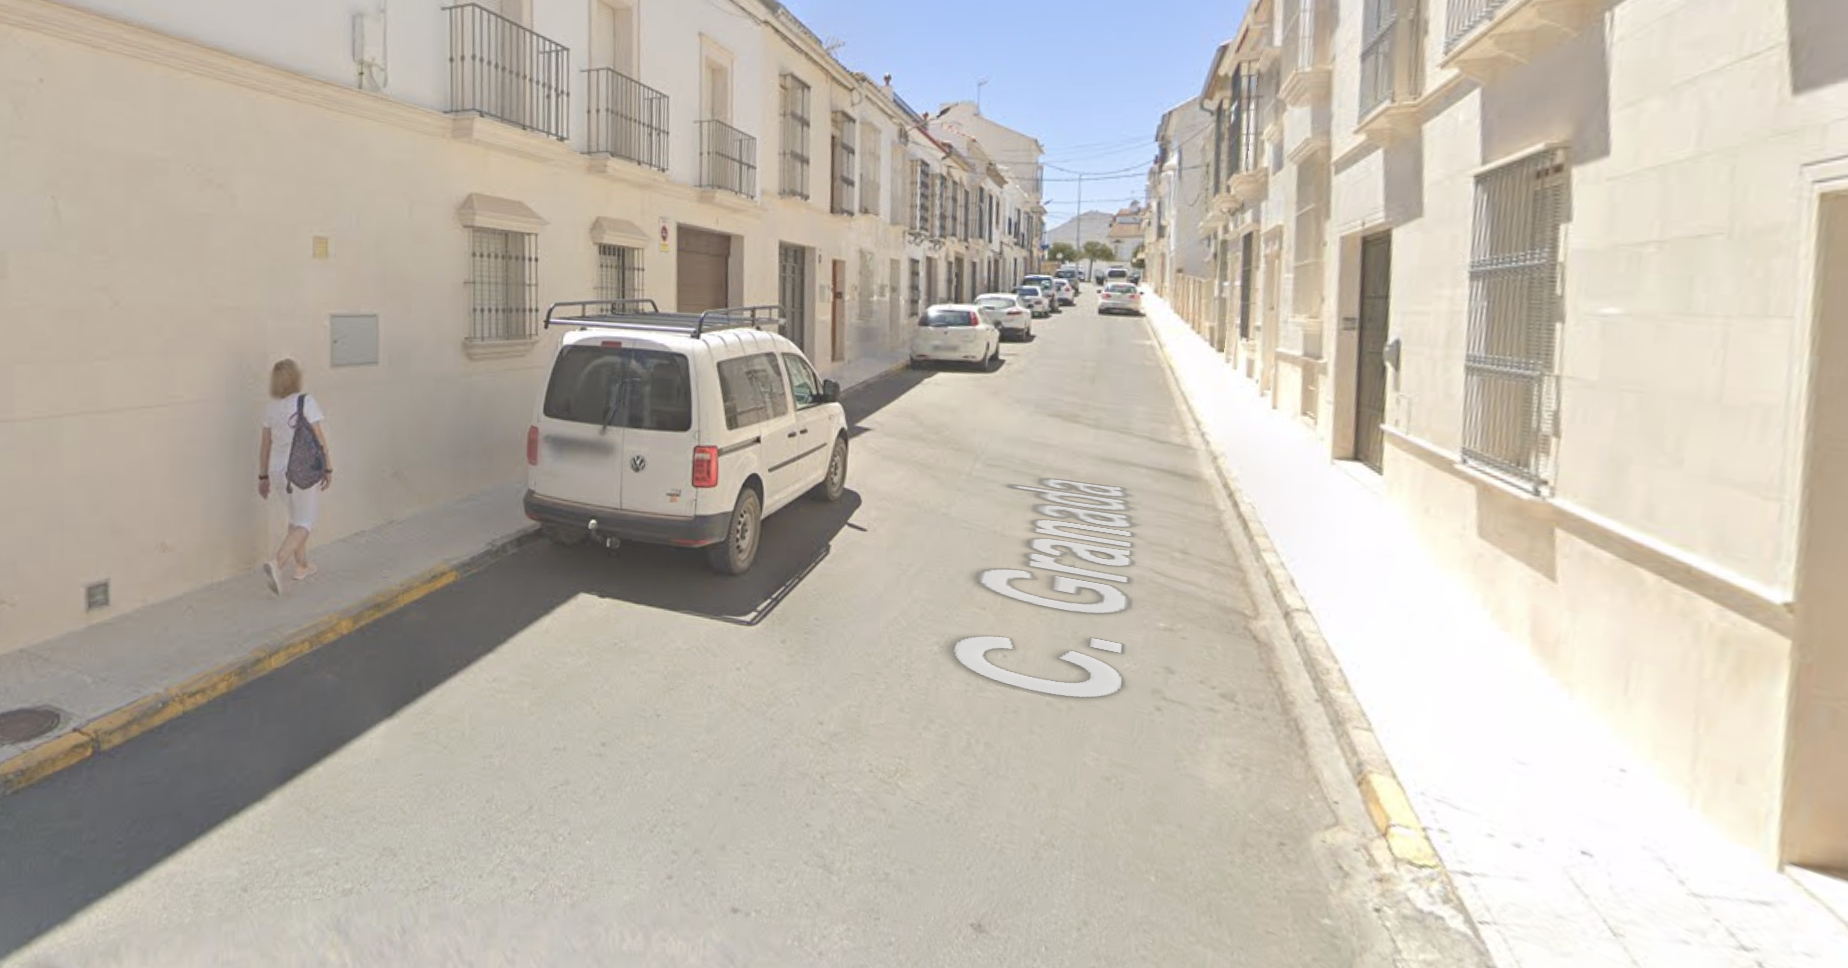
<point x="638" y="462"/>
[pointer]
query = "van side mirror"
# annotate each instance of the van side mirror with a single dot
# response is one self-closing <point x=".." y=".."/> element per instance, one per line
<point x="830" y="392"/>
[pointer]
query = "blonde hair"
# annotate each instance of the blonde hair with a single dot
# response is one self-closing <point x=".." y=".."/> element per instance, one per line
<point x="285" y="379"/>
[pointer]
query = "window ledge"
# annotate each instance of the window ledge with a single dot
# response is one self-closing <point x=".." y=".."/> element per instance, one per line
<point x="1389" y="122"/>
<point x="1305" y="86"/>
<point x="498" y="349"/>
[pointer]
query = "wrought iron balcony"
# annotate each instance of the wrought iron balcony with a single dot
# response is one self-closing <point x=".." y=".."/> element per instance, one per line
<point x="501" y="70"/>
<point x="628" y="119"/>
<point x="1483" y="36"/>
<point x="1305" y="53"/>
<point x="1391" y="79"/>
<point x="727" y="159"/>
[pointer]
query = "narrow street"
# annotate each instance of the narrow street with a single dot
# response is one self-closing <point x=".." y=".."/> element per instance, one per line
<point x="575" y="753"/>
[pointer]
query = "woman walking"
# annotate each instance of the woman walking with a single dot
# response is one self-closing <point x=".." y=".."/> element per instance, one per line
<point x="294" y="454"/>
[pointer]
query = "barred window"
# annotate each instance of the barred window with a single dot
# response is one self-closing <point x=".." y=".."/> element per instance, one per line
<point x="619" y="272"/>
<point x="795" y="114"/>
<point x="870" y="164"/>
<point x="503" y="285"/>
<point x="1511" y="395"/>
<point x="846" y="154"/>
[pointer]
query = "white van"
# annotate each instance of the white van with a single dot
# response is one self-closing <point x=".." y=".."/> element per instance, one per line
<point x="679" y="429"/>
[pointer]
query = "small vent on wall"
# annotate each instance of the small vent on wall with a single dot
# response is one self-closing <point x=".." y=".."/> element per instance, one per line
<point x="96" y="595"/>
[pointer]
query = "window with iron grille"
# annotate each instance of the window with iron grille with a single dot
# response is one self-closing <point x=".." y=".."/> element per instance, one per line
<point x="846" y="163"/>
<point x="503" y="285"/>
<point x="870" y="163"/>
<point x="923" y="211"/>
<point x="1510" y="389"/>
<point x="1246" y="256"/>
<point x="795" y="115"/>
<point x="619" y="272"/>
<point x="915" y="294"/>
<point x="1248" y="152"/>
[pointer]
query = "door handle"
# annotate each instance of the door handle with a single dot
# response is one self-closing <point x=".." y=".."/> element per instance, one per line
<point x="805" y="430"/>
<point x="792" y="433"/>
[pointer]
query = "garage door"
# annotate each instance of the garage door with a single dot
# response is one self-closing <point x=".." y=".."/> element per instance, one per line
<point x="705" y="270"/>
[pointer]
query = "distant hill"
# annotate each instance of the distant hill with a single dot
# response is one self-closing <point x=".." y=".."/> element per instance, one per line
<point x="1096" y="229"/>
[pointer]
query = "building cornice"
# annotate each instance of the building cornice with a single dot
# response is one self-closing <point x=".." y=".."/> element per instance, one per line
<point x="102" y="32"/>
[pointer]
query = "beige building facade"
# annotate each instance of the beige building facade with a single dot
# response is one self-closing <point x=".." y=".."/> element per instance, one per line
<point x="193" y="192"/>
<point x="1565" y="277"/>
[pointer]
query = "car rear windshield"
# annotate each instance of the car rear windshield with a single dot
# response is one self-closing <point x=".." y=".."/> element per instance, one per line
<point x="996" y="302"/>
<point x="1120" y="288"/>
<point x="1028" y="291"/>
<point x="631" y="388"/>
<point x="947" y="317"/>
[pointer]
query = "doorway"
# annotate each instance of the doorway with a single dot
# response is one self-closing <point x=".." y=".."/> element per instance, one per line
<point x="792" y="291"/>
<point x="704" y="270"/>
<point x="1375" y="316"/>
<point x="838" y="352"/>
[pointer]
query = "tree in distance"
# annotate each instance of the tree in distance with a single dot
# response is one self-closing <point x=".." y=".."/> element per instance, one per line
<point x="1062" y="252"/>
<point x="1099" y="251"/>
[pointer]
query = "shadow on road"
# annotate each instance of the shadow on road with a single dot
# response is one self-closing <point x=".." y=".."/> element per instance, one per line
<point x="74" y="838"/>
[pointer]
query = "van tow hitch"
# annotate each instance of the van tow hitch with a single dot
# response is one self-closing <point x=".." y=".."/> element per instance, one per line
<point x="609" y="541"/>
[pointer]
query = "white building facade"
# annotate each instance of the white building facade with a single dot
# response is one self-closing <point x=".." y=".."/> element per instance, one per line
<point x="1566" y="279"/>
<point x="390" y="195"/>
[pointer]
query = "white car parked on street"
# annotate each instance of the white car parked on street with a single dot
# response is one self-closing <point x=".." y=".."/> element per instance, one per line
<point x="678" y="429"/>
<point x="1064" y="293"/>
<point x="1120" y="297"/>
<point x="955" y="333"/>
<point x="1036" y="299"/>
<point x="1008" y="313"/>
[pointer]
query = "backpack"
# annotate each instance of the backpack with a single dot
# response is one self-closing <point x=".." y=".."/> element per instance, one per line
<point x="307" y="463"/>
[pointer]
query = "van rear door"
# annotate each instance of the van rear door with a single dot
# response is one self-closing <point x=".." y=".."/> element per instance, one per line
<point x="613" y="410"/>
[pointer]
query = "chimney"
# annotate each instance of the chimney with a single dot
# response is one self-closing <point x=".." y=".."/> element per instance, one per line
<point x="888" y="80"/>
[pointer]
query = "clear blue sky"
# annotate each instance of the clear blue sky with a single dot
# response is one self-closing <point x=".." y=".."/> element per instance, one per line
<point x="1091" y="83"/>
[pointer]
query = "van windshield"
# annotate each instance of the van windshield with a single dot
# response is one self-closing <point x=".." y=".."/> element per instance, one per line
<point x="629" y="388"/>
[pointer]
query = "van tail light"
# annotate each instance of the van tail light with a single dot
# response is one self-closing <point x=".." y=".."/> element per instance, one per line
<point x="705" y="467"/>
<point x="532" y="446"/>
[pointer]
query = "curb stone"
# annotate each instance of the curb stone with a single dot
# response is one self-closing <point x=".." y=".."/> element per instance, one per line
<point x="1366" y="760"/>
<point x="114" y="728"/>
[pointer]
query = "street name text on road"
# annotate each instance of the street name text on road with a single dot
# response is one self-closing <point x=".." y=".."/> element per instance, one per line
<point x="1074" y="507"/>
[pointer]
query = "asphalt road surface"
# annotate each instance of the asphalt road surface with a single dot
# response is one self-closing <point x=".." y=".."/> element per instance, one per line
<point x="578" y="756"/>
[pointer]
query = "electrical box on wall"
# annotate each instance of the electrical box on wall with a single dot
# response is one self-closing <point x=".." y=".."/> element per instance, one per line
<point x="354" y="340"/>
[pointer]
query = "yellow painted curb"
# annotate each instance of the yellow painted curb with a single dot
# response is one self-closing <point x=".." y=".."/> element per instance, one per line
<point x="114" y="728"/>
<point x="43" y="760"/>
<point x="1393" y="815"/>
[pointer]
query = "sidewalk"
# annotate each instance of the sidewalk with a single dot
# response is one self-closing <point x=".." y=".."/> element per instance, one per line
<point x="115" y="680"/>
<point x="118" y="678"/>
<point x="1564" y="849"/>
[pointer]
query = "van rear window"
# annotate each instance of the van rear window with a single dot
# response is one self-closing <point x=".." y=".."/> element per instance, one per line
<point x="629" y="388"/>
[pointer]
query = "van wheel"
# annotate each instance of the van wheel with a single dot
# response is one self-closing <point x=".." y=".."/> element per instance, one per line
<point x="835" y="484"/>
<point x="733" y="556"/>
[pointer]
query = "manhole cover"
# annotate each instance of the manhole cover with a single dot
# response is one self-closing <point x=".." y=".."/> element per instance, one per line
<point x="25" y="725"/>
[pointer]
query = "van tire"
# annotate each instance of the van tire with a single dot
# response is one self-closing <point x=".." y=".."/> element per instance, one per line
<point x="834" y="484"/>
<point x="734" y="554"/>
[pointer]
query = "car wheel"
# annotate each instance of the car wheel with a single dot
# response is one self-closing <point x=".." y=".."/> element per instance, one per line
<point x="733" y="556"/>
<point x="994" y="358"/>
<point x="835" y="484"/>
<point x="563" y="537"/>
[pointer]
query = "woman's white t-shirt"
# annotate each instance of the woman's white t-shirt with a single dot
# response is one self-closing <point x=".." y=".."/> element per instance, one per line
<point x="279" y="417"/>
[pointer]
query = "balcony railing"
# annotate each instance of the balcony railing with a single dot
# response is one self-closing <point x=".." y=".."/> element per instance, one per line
<point x="628" y="119"/>
<point x="727" y="159"/>
<point x="1464" y="16"/>
<point x="1379" y="65"/>
<point x="504" y="71"/>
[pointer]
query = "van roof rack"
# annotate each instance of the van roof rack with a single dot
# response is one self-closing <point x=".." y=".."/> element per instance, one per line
<point x="644" y="314"/>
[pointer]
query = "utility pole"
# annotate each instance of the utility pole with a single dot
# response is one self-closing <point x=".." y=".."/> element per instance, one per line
<point x="1080" y="224"/>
